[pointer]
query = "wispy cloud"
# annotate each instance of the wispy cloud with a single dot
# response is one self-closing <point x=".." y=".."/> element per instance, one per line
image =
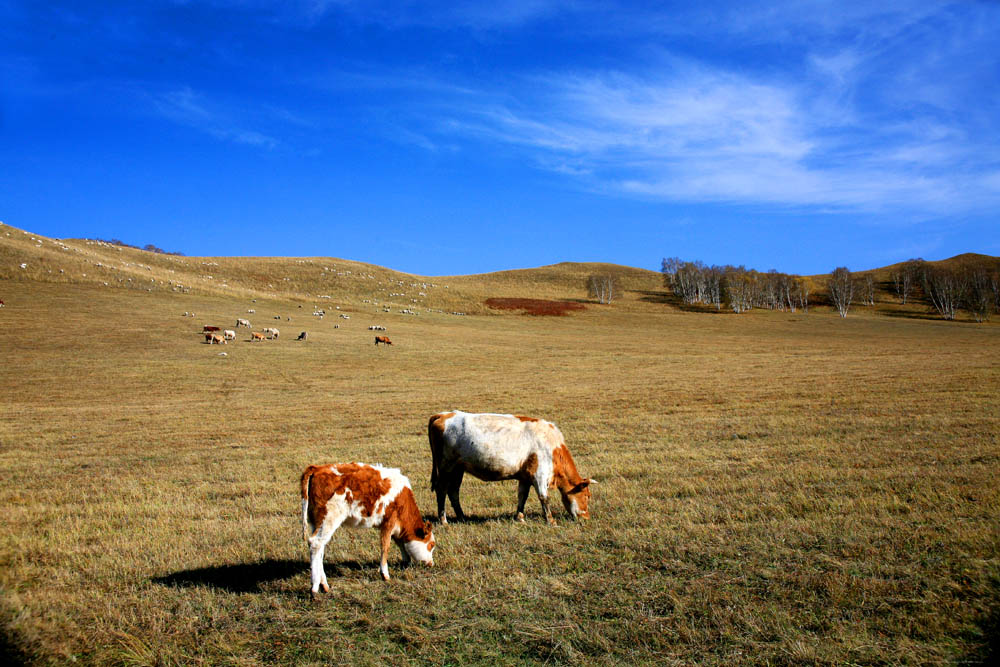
<point x="186" y="107"/>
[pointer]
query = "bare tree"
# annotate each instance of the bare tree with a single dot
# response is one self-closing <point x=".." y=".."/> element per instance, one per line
<point x="841" y="286"/>
<point x="868" y="289"/>
<point x="945" y="289"/>
<point x="605" y="287"/>
<point x="740" y="288"/>
<point x="906" y="277"/>
<point x="980" y="298"/>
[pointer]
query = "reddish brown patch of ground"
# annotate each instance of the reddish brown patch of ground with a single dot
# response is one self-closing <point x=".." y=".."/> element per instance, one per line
<point x="534" y="306"/>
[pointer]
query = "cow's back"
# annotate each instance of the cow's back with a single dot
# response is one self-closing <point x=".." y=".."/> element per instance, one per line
<point x="494" y="446"/>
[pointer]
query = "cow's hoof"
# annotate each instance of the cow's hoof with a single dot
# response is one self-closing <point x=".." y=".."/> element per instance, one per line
<point x="443" y="521"/>
<point x="326" y="587"/>
<point x="520" y="517"/>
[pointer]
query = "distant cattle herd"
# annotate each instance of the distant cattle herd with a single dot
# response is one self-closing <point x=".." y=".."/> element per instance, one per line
<point x="215" y="335"/>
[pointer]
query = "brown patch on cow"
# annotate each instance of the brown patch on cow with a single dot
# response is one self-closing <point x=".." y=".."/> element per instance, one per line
<point x="529" y="467"/>
<point x="435" y="434"/>
<point x="526" y="419"/>
<point x="403" y="512"/>
<point x="355" y="481"/>
<point x="566" y="478"/>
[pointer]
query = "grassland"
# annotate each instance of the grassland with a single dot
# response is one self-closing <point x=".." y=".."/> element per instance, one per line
<point x="774" y="488"/>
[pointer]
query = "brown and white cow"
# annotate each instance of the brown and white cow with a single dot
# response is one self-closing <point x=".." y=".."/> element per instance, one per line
<point x="229" y="334"/>
<point x="356" y="494"/>
<point x="256" y="336"/>
<point x="213" y="338"/>
<point x="495" y="447"/>
<point x="382" y="339"/>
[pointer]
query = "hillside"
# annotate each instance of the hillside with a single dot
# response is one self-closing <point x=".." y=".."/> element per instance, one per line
<point x="318" y="281"/>
<point x="331" y="283"/>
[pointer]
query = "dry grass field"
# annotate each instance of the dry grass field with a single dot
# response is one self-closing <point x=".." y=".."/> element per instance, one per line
<point x="774" y="488"/>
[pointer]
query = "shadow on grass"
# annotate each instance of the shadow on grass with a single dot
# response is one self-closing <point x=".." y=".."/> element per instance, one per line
<point x="11" y="651"/>
<point x="241" y="578"/>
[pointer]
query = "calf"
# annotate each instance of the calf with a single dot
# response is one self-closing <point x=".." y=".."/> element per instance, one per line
<point x="356" y="494"/>
<point x="497" y="447"/>
<point x="382" y="339"/>
<point x="256" y="336"/>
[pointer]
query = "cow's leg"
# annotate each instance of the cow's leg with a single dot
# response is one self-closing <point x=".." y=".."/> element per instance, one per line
<point x="454" y="484"/>
<point x="543" y="497"/>
<point x="386" y="534"/>
<point x="523" y="487"/>
<point x="442" y="492"/>
<point x="317" y="548"/>
<point x="406" y="554"/>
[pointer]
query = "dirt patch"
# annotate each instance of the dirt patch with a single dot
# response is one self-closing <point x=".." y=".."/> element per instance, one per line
<point x="535" y="306"/>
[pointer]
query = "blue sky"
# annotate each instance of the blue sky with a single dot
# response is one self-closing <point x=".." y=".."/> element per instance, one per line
<point x="444" y="138"/>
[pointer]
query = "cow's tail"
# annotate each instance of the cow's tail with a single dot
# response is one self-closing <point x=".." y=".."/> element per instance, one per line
<point x="434" y="435"/>
<point x="307" y="528"/>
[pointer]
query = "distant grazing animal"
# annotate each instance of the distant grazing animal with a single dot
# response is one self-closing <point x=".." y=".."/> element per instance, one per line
<point x="256" y="336"/>
<point x="242" y="323"/>
<point x="229" y="334"/>
<point x="382" y="339"/>
<point x="356" y="494"/>
<point x="209" y="328"/>
<point x="2" y="305"/>
<point x="214" y="338"/>
<point x="302" y="336"/>
<point x="271" y="332"/>
<point x="496" y="447"/>
<point x="277" y="317"/>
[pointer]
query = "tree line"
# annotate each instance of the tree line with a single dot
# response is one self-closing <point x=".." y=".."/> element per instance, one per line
<point x="973" y="286"/>
<point x="734" y="287"/>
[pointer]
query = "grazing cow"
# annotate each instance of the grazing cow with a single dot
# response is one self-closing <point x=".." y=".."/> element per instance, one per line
<point x="271" y="332"/>
<point x="356" y="494"/>
<point x="382" y="339"/>
<point x="302" y="336"/>
<point x="256" y="336"/>
<point x="214" y="338"/>
<point x="209" y="328"/>
<point x="229" y="334"/>
<point x="242" y="323"/>
<point x="497" y="447"/>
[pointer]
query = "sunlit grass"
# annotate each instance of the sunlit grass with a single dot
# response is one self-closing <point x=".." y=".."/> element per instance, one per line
<point x="773" y="487"/>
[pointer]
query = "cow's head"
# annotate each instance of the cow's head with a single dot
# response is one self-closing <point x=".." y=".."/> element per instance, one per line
<point x="421" y="548"/>
<point x="577" y="500"/>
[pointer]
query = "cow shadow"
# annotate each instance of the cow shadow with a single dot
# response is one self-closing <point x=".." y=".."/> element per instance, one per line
<point x="250" y="577"/>
<point x="236" y="578"/>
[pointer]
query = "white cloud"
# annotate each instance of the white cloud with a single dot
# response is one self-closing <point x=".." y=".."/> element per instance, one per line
<point x="186" y="107"/>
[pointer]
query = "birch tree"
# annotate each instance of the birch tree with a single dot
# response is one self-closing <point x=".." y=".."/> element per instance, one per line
<point x="945" y="289"/>
<point x="605" y="287"/>
<point x="841" y="286"/>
